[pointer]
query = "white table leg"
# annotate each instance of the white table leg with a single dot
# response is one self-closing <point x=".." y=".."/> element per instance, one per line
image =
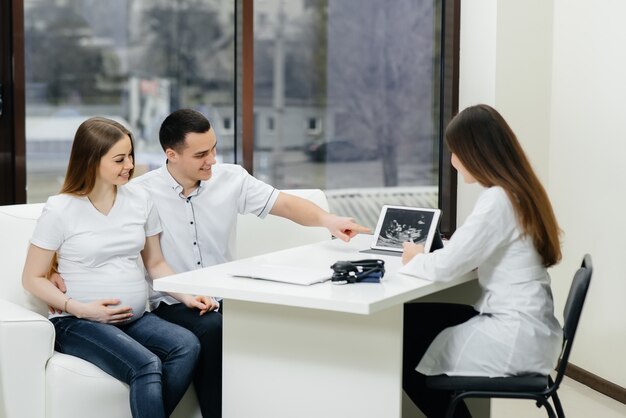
<point x="293" y="362"/>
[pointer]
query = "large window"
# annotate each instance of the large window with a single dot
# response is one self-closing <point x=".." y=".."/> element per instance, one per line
<point x="134" y="61"/>
<point x="349" y="96"/>
<point x="347" y="99"/>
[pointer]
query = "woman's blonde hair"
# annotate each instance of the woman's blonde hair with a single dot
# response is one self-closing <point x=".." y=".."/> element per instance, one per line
<point x="491" y="153"/>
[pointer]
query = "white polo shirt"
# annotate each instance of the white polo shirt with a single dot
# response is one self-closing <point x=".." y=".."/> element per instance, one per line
<point x="199" y="230"/>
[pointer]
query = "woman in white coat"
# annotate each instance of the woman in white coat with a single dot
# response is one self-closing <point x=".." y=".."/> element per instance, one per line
<point x="511" y="237"/>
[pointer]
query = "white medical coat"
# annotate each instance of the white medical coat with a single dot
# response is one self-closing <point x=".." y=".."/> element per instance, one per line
<point x="516" y="331"/>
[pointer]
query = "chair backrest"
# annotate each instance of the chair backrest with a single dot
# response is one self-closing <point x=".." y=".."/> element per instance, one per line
<point x="572" y="311"/>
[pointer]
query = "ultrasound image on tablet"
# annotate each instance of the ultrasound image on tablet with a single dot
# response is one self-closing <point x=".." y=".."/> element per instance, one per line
<point x="399" y="224"/>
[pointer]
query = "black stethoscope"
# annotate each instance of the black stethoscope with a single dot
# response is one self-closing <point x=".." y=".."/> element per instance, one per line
<point x="345" y="272"/>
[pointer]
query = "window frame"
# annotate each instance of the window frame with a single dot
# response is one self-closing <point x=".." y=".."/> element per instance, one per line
<point x="449" y="107"/>
<point x="13" y="118"/>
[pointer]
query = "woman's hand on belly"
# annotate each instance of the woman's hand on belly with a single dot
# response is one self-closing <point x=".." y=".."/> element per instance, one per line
<point x="106" y="311"/>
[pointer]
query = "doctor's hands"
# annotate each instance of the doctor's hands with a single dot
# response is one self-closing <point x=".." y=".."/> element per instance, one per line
<point x="343" y="227"/>
<point x="410" y="251"/>
<point x="105" y="311"/>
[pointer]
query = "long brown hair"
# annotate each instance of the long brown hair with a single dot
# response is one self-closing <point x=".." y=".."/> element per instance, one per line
<point x="489" y="150"/>
<point x="94" y="138"/>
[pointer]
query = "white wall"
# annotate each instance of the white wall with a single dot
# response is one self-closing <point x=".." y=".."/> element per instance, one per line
<point x="587" y="179"/>
<point x="477" y="75"/>
<point x="505" y="62"/>
<point x="555" y="70"/>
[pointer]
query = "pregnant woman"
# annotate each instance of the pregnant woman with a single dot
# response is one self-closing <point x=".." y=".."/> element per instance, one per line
<point x="97" y="228"/>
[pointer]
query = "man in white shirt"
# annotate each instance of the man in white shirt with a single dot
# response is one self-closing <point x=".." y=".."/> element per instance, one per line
<point x="198" y="202"/>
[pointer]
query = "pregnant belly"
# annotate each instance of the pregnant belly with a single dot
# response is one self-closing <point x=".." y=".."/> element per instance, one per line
<point x="132" y="295"/>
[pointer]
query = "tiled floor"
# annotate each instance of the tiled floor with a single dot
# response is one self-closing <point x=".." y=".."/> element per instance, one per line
<point x="578" y="401"/>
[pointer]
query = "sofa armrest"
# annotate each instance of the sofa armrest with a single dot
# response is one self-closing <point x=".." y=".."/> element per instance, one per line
<point x="26" y="344"/>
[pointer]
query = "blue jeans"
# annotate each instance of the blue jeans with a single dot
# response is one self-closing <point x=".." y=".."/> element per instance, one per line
<point x="208" y="375"/>
<point x="155" y="358"/>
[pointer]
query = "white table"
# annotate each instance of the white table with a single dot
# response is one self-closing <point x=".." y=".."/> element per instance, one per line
<point x="310" y="351"/>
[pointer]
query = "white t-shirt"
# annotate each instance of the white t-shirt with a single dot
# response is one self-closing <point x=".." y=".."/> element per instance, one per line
<point x="516" y="331"/>
<point x="200" y="230"/>
<point x="99" y="254"/>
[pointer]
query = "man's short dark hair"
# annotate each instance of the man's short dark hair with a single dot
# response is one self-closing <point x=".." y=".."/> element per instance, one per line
<point x="178" y="124"/>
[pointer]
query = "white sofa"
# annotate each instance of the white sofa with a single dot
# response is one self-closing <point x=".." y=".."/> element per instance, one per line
<point x="36" y="381"/>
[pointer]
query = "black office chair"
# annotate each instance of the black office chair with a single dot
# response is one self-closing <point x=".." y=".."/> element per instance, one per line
<point x="537" y="387"/>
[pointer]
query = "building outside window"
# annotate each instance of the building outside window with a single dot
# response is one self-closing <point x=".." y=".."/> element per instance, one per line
<point x="227" y="124"/>
<point x="134" y="61"/>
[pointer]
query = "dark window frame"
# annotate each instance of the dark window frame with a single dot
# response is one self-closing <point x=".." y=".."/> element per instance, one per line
<point x="13" y="118"/>
<point x="449" y="106"/>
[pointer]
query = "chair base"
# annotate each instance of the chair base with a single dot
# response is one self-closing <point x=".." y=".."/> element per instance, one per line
<point x="534" y="387"/>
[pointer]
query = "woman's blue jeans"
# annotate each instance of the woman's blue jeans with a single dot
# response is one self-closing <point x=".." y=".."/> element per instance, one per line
<point x="154" y="357"/>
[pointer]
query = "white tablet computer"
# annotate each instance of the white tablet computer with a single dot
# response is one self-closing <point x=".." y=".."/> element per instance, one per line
<point x="399" y="224"/>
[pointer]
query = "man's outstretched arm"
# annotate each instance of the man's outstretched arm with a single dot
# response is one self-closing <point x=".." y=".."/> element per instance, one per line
<point x="306" y="213"/>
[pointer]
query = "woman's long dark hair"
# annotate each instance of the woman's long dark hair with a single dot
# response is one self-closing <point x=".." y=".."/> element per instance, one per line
<point x="94" y="138"/>
<point x="490" y="151"/>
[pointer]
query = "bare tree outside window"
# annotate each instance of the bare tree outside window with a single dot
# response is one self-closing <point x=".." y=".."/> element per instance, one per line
<point x="366" y="74"/>
<point x="380" y="78"/>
